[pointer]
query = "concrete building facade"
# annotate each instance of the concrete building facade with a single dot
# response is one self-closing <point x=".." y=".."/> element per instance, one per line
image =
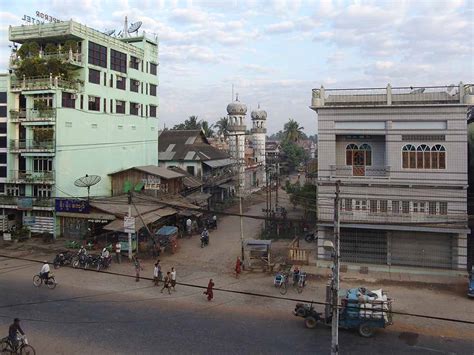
<point x="400" y="155"/>
<point x="102" y="121"/>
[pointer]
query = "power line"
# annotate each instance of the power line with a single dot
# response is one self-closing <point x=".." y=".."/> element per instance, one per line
<point x="245" y="293"/>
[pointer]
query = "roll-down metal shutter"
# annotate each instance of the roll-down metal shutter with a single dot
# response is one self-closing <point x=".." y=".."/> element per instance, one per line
<point x="421" y="249"/>
<point x="363" y="246"/>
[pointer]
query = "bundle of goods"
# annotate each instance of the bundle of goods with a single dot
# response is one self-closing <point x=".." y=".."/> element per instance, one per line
<point x="363" y="303"/>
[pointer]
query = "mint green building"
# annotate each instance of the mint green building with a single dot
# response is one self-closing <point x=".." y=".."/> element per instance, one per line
<point x="97" y="114"/>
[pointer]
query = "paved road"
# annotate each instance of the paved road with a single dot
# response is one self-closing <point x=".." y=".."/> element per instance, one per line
<point x="91" y="321"/>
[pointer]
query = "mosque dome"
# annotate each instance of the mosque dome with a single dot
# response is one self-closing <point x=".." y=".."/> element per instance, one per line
<point x="259" y="114"/>
<point x="236" y="108"/>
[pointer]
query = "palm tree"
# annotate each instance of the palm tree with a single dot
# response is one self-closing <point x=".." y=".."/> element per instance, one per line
<point x="191" y="123"/>
<point x="222" y="126"/>
<point x="293" y="131"/>
<point x="207" y="128"/>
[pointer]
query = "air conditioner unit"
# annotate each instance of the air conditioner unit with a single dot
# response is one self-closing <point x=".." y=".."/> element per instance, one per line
<point x="119" y="103"/>
<point x="138" y="105"/>
<point x="136" y="60"/>
<point x="91" y="99"/>
<point x="137" y="83"/>
<point x="73" y="96"/>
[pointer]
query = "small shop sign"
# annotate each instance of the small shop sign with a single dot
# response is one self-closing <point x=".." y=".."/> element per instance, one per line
<point x="72" y="205"/>
<point x="129" y="224"/>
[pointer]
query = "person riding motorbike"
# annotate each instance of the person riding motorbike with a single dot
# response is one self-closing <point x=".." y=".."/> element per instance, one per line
<point x="44" y="273"/>
<point x="82" y="251"/>
<point x="13" y="331"/>
<point x="105" y="256"/>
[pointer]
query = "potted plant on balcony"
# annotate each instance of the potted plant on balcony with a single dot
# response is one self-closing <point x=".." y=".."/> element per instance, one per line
<point x="43" y="137"/>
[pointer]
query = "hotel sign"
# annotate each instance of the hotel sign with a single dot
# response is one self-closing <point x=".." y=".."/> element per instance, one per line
<point x="41" y="17"/>
<point x="72" y="205"/>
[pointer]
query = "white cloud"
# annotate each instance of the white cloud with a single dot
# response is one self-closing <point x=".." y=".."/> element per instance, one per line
<point x="281" y="27"/>
<point x="188" y="15"/>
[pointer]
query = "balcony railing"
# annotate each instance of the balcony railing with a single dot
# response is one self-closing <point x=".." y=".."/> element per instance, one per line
<point x="462" y="93"/>
<point x="69" y="57"/>
<point x="414" y="218"/>
<point x="43" y="83"/>
<point x="31" y="177"/>
<point x="30" y="145"/>
<point x="35" y="201"/>
<point x="359" y="171"/>
<point x="33" y="115"/>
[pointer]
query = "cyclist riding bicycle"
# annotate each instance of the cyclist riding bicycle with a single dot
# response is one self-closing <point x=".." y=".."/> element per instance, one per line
<point x="13" y="333"/>
<point x="44" y="273"/>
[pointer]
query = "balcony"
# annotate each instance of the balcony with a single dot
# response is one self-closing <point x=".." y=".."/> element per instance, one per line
<point x="31" y="177"/>
<point x="437" y="95"/>
<point x="33" y="115"/>
<point x="31" y="146"/>
<point x="365" y="216"/>
<point x="71" y="58"/>
<point x="26" y="201"/>
<point x="359" y="171"/>
<point x="43" y="83"/>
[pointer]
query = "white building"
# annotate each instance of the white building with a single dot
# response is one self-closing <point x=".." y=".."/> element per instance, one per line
<point x="259" y="132"/>
<point x="401" y="157"/>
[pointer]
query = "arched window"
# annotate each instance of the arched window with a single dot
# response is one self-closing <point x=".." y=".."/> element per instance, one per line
<point x="423" y="157"/>
<point x="367" y="150"/>
<point x="438" y="157"/>
<point x="350" y="149"/>
<point x="409" y="157"/>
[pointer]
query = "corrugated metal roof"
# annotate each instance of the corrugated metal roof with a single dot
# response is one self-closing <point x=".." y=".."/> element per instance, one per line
<point x="190" y="155"/>
<point x="159" y="171"/>
<point x="117" y="225"/>
<point x="219" y="162"/>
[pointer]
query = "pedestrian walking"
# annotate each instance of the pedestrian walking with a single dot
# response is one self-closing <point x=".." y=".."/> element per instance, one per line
<point x="167" y="283"/>
<point x="209" y="292"/>
<point x="238" y="267"/>
<point x="138" y="268"/>
<point x="173" y="278"/>
<point x="155" y="274"/>
<point x="160" y="274"/>
<point x="189" y="224"/>
<point x="118" y="252"/>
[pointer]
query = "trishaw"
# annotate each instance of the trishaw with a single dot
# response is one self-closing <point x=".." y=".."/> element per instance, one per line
<point x="167" y="238"/>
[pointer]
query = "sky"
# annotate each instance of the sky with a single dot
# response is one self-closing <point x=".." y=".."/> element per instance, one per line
<point x="273" y="52"/>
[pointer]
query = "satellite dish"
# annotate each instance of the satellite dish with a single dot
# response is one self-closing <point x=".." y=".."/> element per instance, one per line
<point x="87" y="181"/>
<point x="134" y="27"/>
<point x="452" y="90"/>
<point x="119" y="34"/>
<point x="109" y="32"/>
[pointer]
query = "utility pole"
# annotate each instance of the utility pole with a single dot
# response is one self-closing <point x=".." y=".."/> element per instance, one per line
<point x="277" y="183"/>
<point x="240" y="199"/>
<point x="266" y="193"/>
<point x="335" y="278"/>
<point x="129" y="232"/>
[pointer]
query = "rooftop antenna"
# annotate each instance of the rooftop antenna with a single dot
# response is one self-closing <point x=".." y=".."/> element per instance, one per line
<point x="125" y="27"/>
<point x="232" y="98"/>
<point x="87" y="181"/>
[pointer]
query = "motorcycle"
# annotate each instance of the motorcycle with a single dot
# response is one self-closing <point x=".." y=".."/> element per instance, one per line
<point x="81" y="260"/>
<point x="211" y="223"/>
<point x="62" y="259"/>
<point x="204" y="240"/>
<point x="103" y="263"/>
<point x="311" y="237"/>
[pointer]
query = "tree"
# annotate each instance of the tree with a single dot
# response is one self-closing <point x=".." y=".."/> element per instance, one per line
<point x="279" y="136"/>
<point x="191" y="123"/>
<point x="292" y="130"/>
<point x="207" y="128"/>
<point x="293" y="154"/>
<point x="305" y="196"/>
<point x="222" y="126"/>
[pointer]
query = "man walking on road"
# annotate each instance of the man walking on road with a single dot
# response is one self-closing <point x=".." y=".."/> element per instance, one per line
<point x="118" y="251"/>
<point x="138" y="268"/>
<point x="167" y="283"/>
<point x="155" y="275"/>
<point x="209" y="292"/>
<point x="173" y="278"/>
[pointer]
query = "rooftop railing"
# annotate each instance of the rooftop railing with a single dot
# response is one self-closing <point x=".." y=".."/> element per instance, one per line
<point x="459" y="94"/>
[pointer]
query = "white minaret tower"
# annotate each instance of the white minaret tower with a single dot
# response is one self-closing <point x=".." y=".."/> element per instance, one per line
<point x="259" y="131"/>
<point x="237" y="112"/>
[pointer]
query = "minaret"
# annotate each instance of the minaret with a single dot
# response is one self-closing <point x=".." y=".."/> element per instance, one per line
<point x="259" y="131"/>
<point x="237" y="112"/>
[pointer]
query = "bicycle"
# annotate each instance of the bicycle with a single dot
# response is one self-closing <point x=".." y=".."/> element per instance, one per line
<point x="297" y="285"/>
<point x="50" y="282"/>
<point x="23" y="348"/>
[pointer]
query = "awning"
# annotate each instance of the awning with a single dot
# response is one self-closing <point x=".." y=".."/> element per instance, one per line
<point x="150" y="217"/>
<point x="109" y="217"/>
<point x="227" y="185"/>
<point x="219" y="162"/>
<point x="199" y="197"/>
